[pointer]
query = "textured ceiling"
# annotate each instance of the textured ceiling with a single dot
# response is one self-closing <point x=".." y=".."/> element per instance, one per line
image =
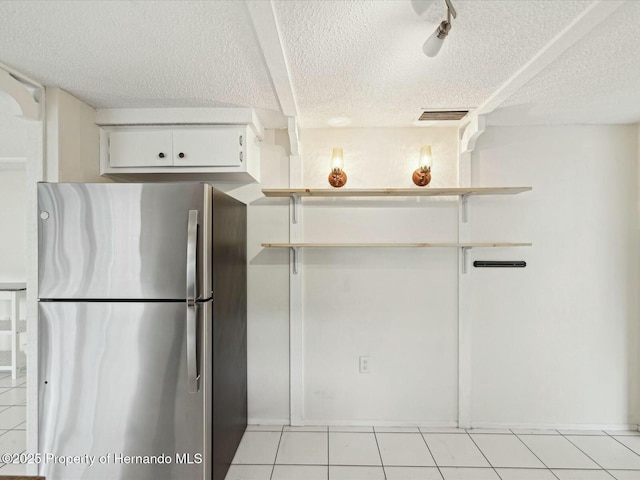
<point x="363" y="60"/>
<point x="357" y="61"/>
<point x="596" y="81"/>
<point x="139" y="53"/>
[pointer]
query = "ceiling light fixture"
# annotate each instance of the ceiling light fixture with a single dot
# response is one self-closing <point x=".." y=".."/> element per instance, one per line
<point x="434" y="43"/>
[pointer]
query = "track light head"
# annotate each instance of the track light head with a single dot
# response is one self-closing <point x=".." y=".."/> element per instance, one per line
<point x="434" y="43"/>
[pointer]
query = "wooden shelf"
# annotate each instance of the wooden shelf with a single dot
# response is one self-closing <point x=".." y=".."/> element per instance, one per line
<point x="463" y="192"/>
<point x="393" y="192"/>
<point x="396" y="245"/>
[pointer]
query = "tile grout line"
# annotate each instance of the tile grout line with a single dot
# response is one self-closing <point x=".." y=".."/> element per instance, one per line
<point x="276" y="457"/>
<point x="384" y="472"/>
<point x="485" y="457"/>
<point x="626" y="446"/>
<point x="593" y="460"/>
<point x="432" y="457"/>
<point x="534" y="454"/>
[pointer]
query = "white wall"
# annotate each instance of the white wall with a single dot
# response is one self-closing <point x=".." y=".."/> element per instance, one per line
<point x="378" y="157"/>
<point x="13" y="134"/>
<point x="73" y="139"/>
<point x="398" y="306"/>
<point x="268" y="285"/>
<point x="13" y="219"/>
<point x="556" y="343"/>
<point x="13" y="202"/>
<point x="25" y="138"/>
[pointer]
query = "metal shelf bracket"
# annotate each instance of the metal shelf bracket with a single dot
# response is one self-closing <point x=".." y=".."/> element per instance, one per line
<point x="464" y="258"/>
<point x="294" y="260"/>
<point x="464" y="199"/>
<point x="295" y="204"/>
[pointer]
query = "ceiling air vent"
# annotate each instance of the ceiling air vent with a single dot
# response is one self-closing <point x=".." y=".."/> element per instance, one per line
<point x="435" y="115"/>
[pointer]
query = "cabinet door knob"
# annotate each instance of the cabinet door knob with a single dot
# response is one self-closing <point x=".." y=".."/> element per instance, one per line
<point x="161" y="155"/>
<point x="181" y="155"/>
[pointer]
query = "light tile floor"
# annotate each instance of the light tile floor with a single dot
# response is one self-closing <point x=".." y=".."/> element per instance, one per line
<point x="368" y="453"/>
<point x="13" y="398"/>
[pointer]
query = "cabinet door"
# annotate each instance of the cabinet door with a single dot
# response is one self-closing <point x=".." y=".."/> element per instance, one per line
<point x="140" y="148"/>
<point x="212" y="147"/>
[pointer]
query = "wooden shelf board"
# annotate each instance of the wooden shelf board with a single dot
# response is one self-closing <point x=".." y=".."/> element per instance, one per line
<point x="392" y="192"/>
<point x="396" y="245"/>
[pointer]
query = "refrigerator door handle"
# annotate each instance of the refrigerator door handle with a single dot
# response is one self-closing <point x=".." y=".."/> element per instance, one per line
<point x="193" y="376"/>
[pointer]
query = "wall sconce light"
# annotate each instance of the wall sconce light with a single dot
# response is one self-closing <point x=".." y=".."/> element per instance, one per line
<point x="422" y="175"/>
<point x="337" y="177"/>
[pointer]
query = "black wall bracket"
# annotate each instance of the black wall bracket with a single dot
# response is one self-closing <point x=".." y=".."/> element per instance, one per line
<point x="500" y="264"/>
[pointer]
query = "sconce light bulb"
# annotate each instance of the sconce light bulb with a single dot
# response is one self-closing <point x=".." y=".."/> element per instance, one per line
<point x="337" y="160"/>
<point x="426" y="158"/>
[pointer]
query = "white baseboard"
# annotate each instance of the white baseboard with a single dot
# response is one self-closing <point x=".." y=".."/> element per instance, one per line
<point x="557" y="426"/>
<point x="268" y="421"/>
<point x="449" y="424"/>
<point x="382" y="423"/>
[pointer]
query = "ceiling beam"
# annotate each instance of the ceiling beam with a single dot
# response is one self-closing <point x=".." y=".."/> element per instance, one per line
<point x="265" y="25"/>
<point x="473" y="125"/>
<point x="596" y="13"/>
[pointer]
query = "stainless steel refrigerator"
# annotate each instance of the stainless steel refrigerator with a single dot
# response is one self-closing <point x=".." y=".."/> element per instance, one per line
<point x="142" y="331"/>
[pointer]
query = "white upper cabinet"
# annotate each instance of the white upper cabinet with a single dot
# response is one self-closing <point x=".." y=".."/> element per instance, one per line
<point x="221" y="146"/>
<point x="140" y="148"/>
<point x="208" y="152"/>
<point x="180" y="144"/>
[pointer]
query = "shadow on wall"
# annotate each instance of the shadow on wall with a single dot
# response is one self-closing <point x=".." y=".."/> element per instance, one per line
<point x="271" y="256"/>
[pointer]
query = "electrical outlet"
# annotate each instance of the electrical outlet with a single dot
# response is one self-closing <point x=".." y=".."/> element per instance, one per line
<point x="365" y="364"/>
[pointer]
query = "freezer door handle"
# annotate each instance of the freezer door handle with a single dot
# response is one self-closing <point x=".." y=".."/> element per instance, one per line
<point x="193" y="376"/>
<point x="192" y="249"/>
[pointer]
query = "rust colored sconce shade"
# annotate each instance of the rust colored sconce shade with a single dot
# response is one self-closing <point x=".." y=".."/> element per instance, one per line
<point x="337" y="177"/>
<point x="422" y="175"/>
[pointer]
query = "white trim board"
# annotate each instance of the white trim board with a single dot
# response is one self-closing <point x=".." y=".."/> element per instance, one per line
<point x="278" y="422"/>
<point x="180" y="116"/>
<point x="13" y="163"/>
<point x="13" y="160"/>
<point x="453" y="424"/>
